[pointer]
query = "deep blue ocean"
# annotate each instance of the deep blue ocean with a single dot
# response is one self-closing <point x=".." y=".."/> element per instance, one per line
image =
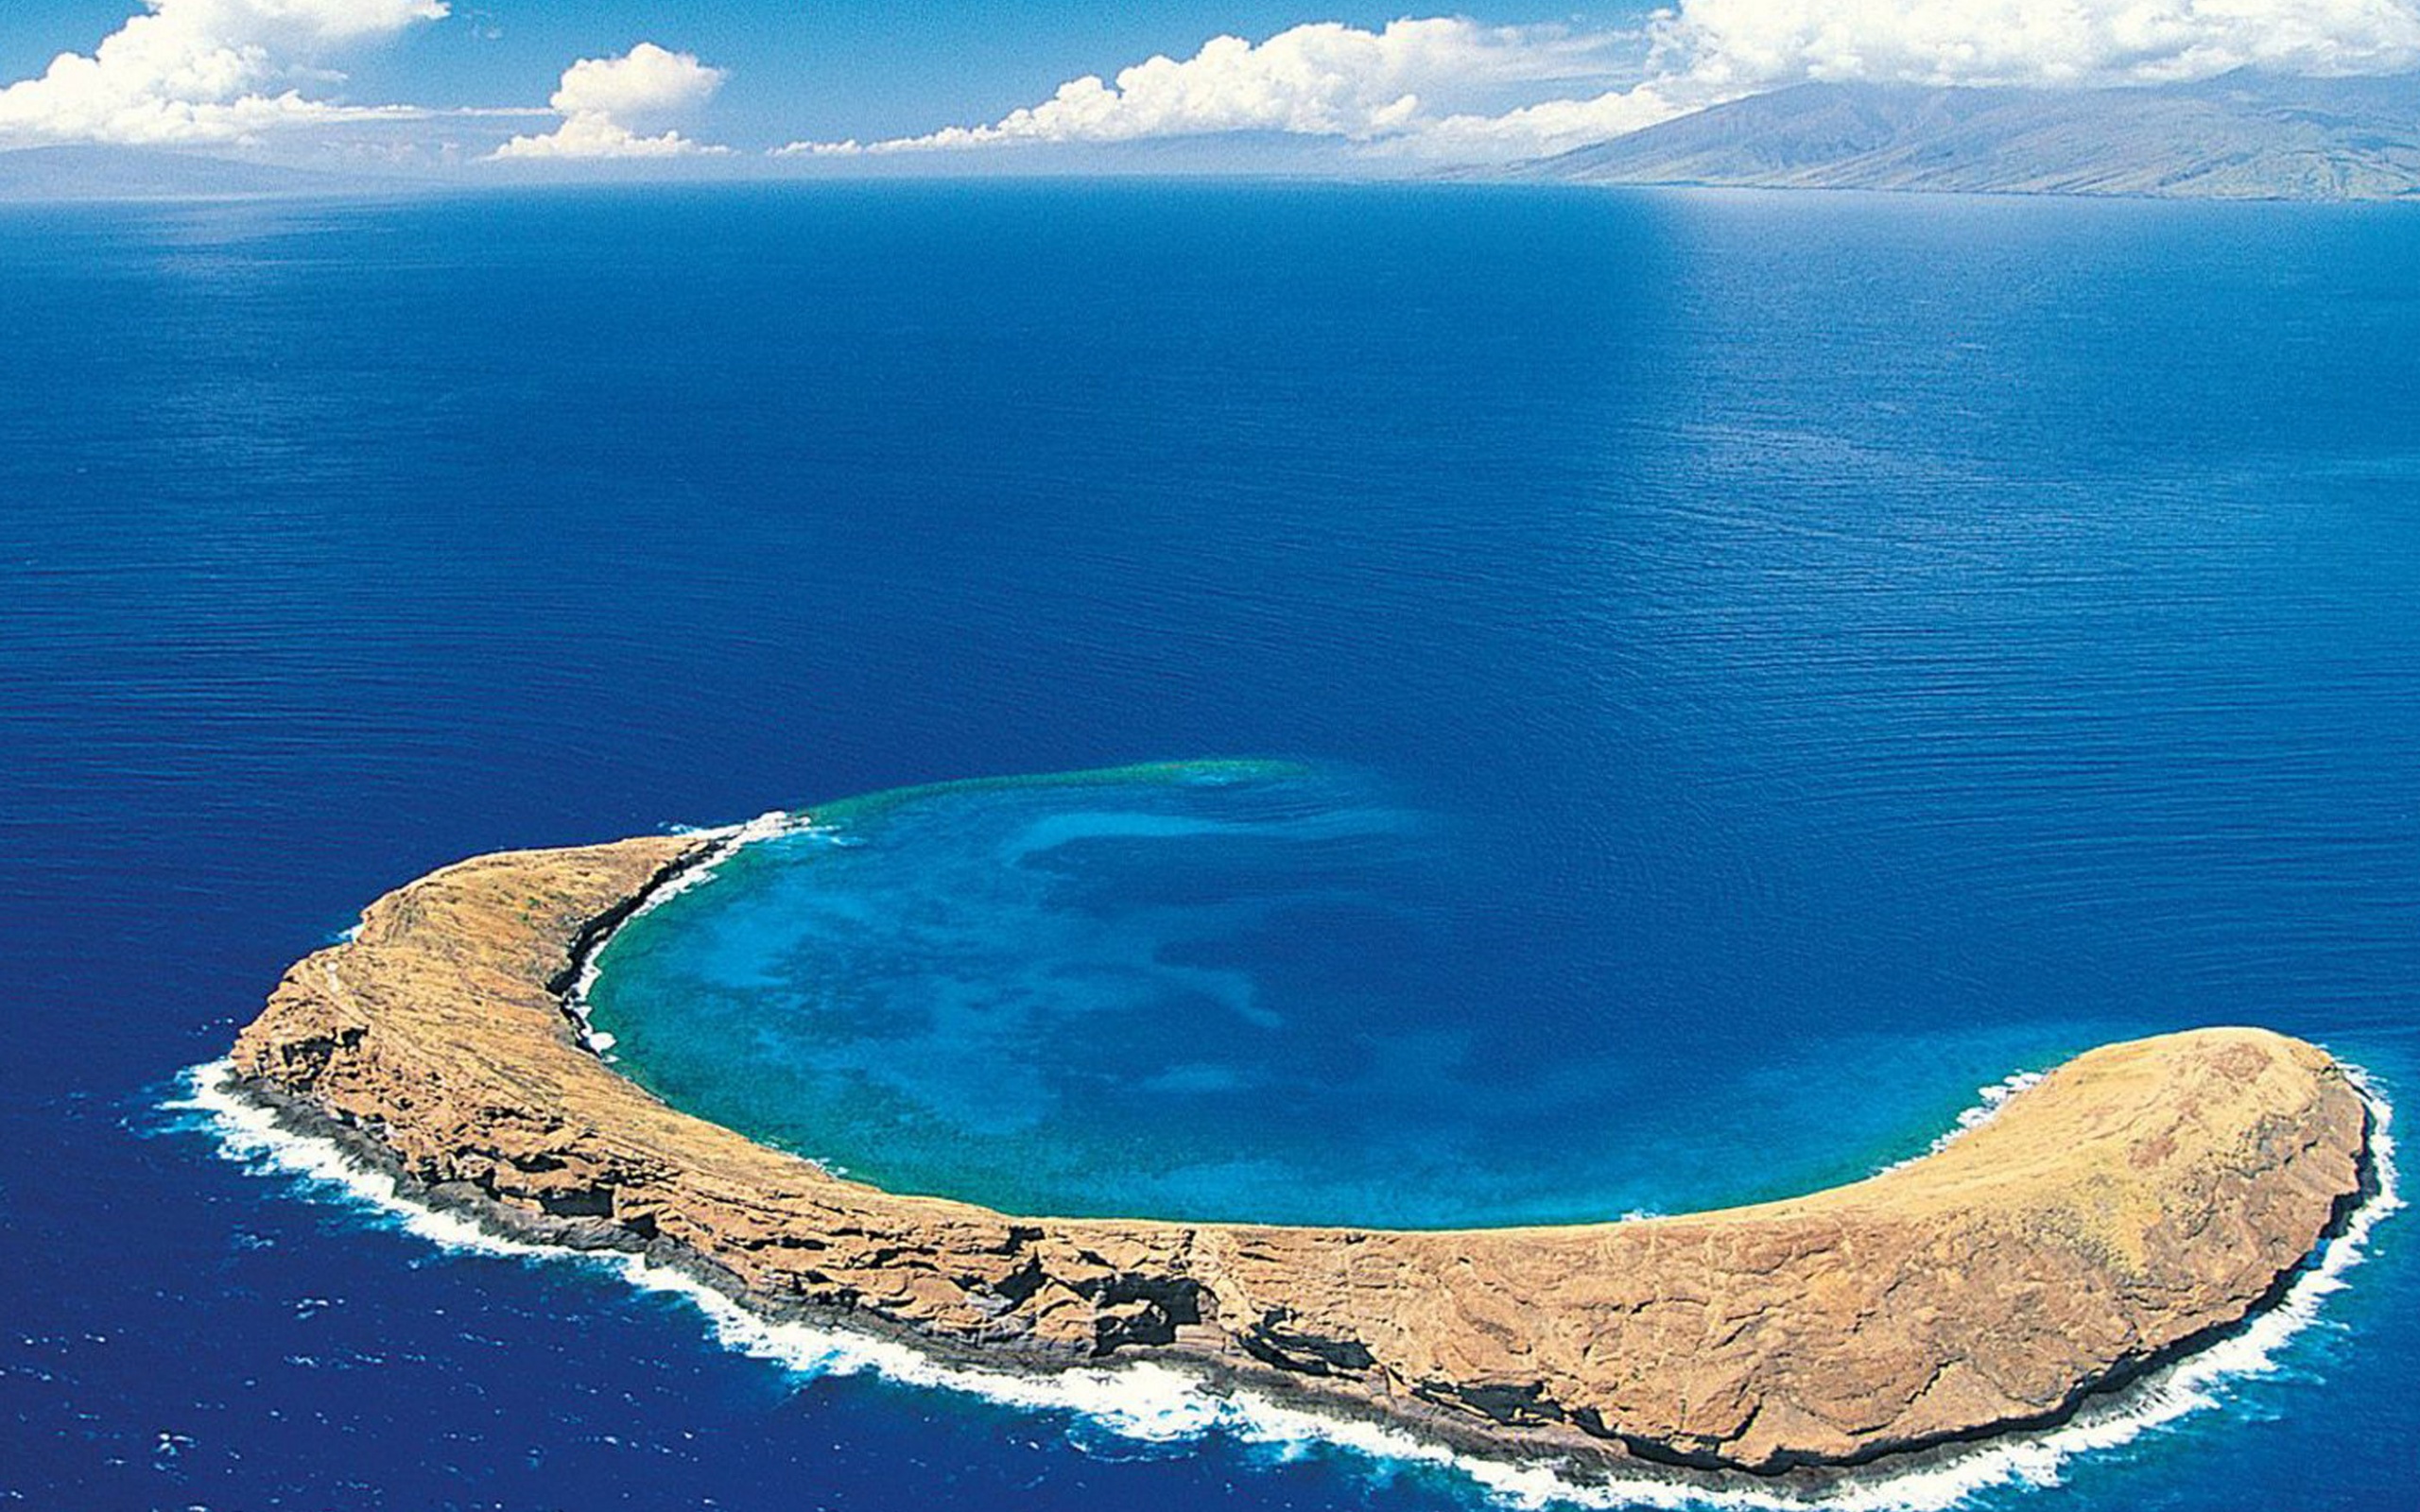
<point x="1718" y="679"/>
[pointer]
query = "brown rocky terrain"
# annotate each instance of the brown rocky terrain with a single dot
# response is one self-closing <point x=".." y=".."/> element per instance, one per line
<point x="2137" y="1202"/>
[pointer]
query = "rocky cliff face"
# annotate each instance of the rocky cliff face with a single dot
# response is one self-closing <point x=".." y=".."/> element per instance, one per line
<point x="2139" y="1200"/>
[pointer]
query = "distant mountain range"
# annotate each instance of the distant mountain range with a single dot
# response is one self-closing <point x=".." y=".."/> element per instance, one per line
<point x="2243" y="136"/>
<point x="134" y="173"/>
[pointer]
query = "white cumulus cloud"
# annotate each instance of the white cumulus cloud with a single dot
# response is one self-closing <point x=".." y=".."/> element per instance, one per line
<point x="1411" y="87"/>
<point x="205" y="71"/>
<point x="626" y="107"/>
<point x="1321" y="79"/>
<point x="2070" y="43"/>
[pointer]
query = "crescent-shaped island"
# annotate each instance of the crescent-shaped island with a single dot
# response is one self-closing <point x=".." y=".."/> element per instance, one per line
<point x="2138" y="1203"/>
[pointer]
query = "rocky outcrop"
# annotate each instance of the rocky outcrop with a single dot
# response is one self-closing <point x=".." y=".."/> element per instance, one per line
<point x="2137" y="1202"/>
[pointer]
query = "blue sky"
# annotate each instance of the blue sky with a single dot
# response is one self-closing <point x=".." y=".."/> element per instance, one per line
<point x="445" y="84"/>
<point x="829" y="69"/>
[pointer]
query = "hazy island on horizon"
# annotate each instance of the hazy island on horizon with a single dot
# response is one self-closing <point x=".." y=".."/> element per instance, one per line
<point x="2243" y="137"/>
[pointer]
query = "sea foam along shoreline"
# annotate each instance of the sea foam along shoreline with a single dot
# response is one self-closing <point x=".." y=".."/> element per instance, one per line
<point x="1155" y="1403"/>
<point x="721" y="844"/>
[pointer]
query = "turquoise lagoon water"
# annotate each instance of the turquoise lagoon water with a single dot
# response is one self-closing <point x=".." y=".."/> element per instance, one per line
<point x="1248" y="990"/>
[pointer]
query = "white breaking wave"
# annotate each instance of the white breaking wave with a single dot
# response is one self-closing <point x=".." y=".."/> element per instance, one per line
<point x="1160" y="1404"/>
<point x="1994" y="1099"/>
<point x="729" y="840"/>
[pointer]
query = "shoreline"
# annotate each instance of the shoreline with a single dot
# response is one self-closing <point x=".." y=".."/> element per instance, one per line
<point x="310" y="1148"/>
<point x="571" y="984"/>
<point x="979" y="1290"/>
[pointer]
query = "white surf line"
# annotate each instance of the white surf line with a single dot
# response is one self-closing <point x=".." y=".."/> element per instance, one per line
<point x="1160" y="1404"/>
<point x="1993" y="1101"/>
<point x="726" y="841"/>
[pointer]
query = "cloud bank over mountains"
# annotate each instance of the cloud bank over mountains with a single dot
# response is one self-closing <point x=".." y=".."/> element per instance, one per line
<point x="1407" y="88"/>
<point x="1760" y="43"/>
